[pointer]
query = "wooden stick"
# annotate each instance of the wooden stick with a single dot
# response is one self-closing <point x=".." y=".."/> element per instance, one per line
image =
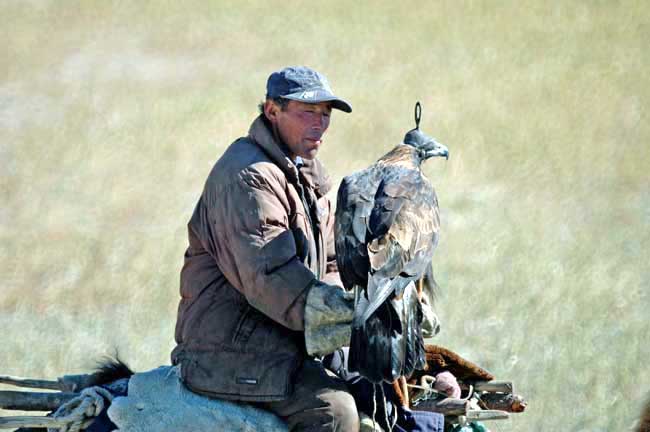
<point x="474" y="415"/>
<point x="39" y="422"/>
<point x="66" y="383"/>
<point x="504" y="402"/>
<point x="76" y="383"/>
<point x="494" y="387"/>
<point x="448" y="406"/>
<point x="30" y="383"/>
<point x="33" y="401"/>
<point x="29" y="421"/>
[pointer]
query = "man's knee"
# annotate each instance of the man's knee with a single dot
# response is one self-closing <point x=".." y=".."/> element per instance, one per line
<point x="344" y="412"/>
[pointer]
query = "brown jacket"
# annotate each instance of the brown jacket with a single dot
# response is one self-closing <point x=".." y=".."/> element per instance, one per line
<point x="251" y="260"/>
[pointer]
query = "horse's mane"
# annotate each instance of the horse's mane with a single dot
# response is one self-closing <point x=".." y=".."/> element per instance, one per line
<point x="111" y="368"/>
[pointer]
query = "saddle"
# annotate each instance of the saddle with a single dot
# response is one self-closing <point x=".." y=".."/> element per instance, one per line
<point x="158" y="401"/>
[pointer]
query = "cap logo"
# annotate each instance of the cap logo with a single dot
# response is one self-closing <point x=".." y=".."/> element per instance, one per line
<point x="307" y="95"/>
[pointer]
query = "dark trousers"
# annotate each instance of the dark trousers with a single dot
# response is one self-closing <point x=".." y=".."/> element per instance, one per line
<point x="320" y="402"/>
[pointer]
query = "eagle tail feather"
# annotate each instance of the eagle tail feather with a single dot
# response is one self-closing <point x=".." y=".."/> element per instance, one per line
<point x="415" y="355"/>
<point x="371" y="345"/>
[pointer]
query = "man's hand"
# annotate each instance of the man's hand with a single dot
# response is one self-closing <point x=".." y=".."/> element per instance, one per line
<point x="328" y="318"/>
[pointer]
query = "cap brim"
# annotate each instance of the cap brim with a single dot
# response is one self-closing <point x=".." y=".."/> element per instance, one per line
<point x="318" y="96"/>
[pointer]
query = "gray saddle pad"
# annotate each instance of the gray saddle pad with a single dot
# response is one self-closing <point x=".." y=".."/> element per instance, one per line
<point x="159" y="402"/>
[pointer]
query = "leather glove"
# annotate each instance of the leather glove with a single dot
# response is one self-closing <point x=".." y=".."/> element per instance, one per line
<point x="328" y="318"/>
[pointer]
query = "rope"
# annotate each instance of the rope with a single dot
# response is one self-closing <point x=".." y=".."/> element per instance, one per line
<point x="390" y="424"/>
<point x="79" y="412"/>
<point x="374" y="406"/>
<point x="426" y="388"/>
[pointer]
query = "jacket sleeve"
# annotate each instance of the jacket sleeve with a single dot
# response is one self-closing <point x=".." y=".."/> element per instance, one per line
<point x="332" y="271"/>
<point x="256" y="249"/>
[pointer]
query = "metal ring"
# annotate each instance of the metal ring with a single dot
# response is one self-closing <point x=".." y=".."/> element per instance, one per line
<point x="418" y="114"/>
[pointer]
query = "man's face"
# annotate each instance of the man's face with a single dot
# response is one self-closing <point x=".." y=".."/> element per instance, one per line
<point x="301" y="125"/>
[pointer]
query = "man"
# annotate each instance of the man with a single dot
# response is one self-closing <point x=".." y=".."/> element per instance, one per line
<point x="260" y="274"/>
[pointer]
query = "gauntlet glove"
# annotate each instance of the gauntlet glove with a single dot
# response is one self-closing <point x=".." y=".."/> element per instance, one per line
<point x="328" y="318"/>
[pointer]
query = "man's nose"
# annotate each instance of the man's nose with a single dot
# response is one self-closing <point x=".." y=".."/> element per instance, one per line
<point x="321" y="122"/>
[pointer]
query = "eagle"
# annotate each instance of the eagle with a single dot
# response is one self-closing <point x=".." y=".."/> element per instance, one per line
<point x="386" y="229"/>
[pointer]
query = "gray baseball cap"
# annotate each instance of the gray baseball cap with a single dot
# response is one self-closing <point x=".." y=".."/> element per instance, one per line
<point x="303" y="84"/>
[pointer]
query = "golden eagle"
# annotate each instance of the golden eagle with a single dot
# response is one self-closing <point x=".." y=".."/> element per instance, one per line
<point x="387" y="223"/>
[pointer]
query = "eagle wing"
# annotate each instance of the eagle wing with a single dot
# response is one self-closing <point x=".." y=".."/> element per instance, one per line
<point x="354" y="204"/>
<point x="387" y="224"/>
<point x="402" y="234"/>
<point x="397" y="220"/>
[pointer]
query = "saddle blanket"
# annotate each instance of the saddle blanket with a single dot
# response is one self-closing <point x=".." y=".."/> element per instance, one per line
<point x="157" y="401"/>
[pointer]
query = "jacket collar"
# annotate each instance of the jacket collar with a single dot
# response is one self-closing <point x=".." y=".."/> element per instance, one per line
<point x="311" y="171"/>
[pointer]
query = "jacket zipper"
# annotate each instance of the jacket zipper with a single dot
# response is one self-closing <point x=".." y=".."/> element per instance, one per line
<point x="310" y="219"/>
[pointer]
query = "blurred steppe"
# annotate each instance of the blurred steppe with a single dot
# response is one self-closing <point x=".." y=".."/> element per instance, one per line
<point x="112" y="113"/>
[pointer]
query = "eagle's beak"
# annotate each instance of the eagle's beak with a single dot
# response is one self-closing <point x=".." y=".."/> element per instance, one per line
<point x="435" y="149"/>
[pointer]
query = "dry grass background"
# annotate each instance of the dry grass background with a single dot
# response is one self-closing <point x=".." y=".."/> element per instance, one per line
<point x="112" y="113"/>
